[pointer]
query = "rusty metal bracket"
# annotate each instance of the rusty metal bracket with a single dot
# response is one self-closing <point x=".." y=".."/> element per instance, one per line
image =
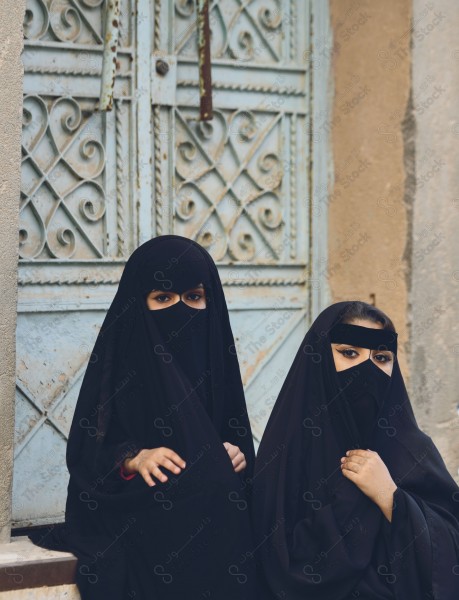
<point x="110" y="52"/>
<point x="205" y="78"/>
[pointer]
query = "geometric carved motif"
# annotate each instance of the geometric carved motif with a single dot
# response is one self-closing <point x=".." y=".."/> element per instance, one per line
<point x="229" y="175"/>
<point x="62" y="197"/>
<point x="64" y="21"/>
<point x="245" y="31"/>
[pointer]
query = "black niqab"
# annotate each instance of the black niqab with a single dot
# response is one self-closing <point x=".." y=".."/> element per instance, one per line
<point x="363" y="387"/>
<point x="318" y="536"/>
<point x="188" y="537"/>
<point x="185" y="331"/>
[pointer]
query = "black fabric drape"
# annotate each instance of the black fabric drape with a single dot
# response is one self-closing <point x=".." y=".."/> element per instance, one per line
<point x="318" y="536"/>
<point x="189" y="537"/>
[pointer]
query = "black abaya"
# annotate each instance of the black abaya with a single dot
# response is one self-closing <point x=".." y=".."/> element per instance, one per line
<point x="318" y="536"/>
<point x="189" y="537"/>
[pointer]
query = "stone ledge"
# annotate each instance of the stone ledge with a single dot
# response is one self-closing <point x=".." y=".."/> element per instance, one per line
<point x="23" y="566"/>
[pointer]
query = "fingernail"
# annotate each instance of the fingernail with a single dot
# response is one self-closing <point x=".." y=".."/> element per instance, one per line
<point x="347" y="453"/>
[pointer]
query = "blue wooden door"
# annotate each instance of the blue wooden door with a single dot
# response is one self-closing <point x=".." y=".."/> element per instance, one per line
<point x="96" y="185"/>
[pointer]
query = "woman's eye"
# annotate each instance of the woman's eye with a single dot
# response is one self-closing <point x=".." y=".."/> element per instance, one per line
<point x="383" y="358"/>
<point x="194" y="297"/>
<point x="349" y="353"/>
<point x="163" y="298"/>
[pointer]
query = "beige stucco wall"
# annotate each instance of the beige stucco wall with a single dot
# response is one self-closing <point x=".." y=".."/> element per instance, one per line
<point x="368" y="217"/>
<point x="11" y="18"/>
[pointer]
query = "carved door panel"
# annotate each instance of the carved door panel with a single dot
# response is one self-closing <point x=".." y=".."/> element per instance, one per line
<point x="77" y="226"/>
<point x="96" y="185"/>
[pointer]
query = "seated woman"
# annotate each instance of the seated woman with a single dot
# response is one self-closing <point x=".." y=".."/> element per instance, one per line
<point x="160" y="450"/>
<point x="351" y="500"/>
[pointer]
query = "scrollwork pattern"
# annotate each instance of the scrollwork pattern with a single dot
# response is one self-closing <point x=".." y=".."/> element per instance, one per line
<point x="229" y="184"/>
<point x="62" y="197"/>
<point x="67" y="21"/>
<point x="248" y="31"/>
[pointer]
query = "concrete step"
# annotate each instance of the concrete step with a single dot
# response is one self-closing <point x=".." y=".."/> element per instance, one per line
<point x="29" y="572"/>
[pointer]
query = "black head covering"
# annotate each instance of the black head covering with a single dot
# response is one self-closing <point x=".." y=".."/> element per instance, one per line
<point x="318" y="536"/>
<point x="186" y="537"/>
<point x="184" y="329"/>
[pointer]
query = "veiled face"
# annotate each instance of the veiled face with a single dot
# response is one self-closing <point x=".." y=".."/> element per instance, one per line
<point x="161" y="299"/>
<point x="348" y="355"/>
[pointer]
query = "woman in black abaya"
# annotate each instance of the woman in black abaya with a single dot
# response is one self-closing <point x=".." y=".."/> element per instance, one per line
<point x="160" y="451"/>
<point x="351" y="500"/>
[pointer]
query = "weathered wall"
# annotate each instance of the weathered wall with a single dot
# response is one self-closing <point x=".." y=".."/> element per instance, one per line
<point x="368" y="222"/>
<point x="394" y="207"/>
<point x="11" y="17"/>
<point x="434" y="356"/>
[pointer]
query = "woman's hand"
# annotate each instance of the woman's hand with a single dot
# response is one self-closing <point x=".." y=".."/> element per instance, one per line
<point x="147" y="463"/>
<point x="369" y="473"/>
<point x="237" y="457"/>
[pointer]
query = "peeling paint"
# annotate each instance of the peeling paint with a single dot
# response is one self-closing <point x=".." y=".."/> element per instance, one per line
<point x="109" y="63"/>
<point x="205" y="78"/>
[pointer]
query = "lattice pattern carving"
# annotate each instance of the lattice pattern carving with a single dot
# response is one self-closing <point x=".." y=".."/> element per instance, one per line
<point x="62" y="197"/>
<point x="229" y="195"/>
<point x="245" y="31"/>
<point x="64" y="21"/>
<point x="71" y="21"/>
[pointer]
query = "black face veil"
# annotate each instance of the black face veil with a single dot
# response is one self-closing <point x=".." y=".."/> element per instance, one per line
<point x="363" y="387"/>
<point x="318" y="536"/>
<point x="188" y="537"/>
